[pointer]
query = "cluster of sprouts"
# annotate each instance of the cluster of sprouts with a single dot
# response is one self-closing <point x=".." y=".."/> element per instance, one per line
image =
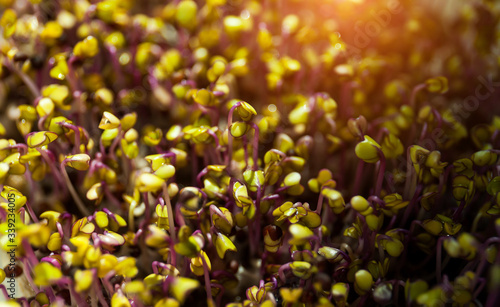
<point x="249" y="153"/>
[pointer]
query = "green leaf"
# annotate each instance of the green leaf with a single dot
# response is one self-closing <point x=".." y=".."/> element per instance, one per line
<point x="223" y="244"/>
<point x="41" y="138"/>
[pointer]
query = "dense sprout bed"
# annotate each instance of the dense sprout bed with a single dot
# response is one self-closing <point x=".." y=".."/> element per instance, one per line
<point x="242" y="152"/>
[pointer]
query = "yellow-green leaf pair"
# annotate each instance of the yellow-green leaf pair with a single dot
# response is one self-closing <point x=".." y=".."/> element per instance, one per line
<point x="368" y="150"/>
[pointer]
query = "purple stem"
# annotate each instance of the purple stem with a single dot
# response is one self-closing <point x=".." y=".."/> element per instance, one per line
<point x="208" y="288"/>
<point x="28" y="268"/>
<point x="106" y="283"/>
<point x="319" y="207"/>
<point x="281" y="271"/>
<point x="116" y="65"/>
<point x="98" y="291"/>
<point x="229" y="136"/>
<point x="482" y="263"/>
<point x="80" y="205"/>
<point x="443" y="179"/>
<point x="25" y="78"/>
<point x="71" y="77"/>
<point x="412" y="204"/>
<point x="410" y="173"/>
<point x="77" y="134"/>
<point x="146" y="203"/>
<point x="115" y="143"/>
<point x="30" y="254"/>
<point x="52" y="261"/>
<point x="270" y="197"/>
<point x="255" y="149"/>
<point x="194" y="157"/>
<point x="263" y="263"/>
<point x="492" y="299"/>
<point x="245" y="149"/>
<point x="74" y="295"/>
<point x="171" y="223"/>
<point x="381" y="172"/>
<point x="31" y="212"/>
<point x="217" y="145"/>
<point x="50" y="293"/>
<point x="21" y="146"/>
<point x="110" y="195"/>
<point x="438" y="259"/>
<point x="482" y="283"/>
<point x="256" y="221"/>
<point x="221" y="293"/>
<point x="414" y="93"/>
<point x="200" y="176"/>
<point x="279" y="190"/>
<point x="459" y="210"/>
<point x="251" y="241"/>
<point x="179" y="217"/>
<point x="4" y="291"/>
<point x="424" y="131"/>
<point x="53" y="169"/>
